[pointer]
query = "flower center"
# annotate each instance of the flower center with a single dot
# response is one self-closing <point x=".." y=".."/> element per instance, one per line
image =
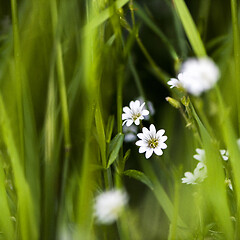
<point x="153" y="143"/>
<point x="135" y="116"/>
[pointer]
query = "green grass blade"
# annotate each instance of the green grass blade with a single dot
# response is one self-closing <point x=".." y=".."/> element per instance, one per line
<point x="140" y="176"/>
<point x="190" y="28"/>
<point x="6" y="223"/>
<point x="215" y="186"/>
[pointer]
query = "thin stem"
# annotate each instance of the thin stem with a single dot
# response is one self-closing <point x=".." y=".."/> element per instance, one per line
<point x="161" y="75"/>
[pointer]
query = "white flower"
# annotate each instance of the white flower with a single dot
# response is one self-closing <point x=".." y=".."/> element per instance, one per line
<point x="200" y="156"/>
<point x="189" y="178"/>
<point x="224" y="153"/>
<point x="109" y="205"/>
<point x="200" y="172"/>
<point x="196" y="76"/>
<point x="173" y="82"/>
<point x="134" y="114"/>
<point x="151" y="141"/>
<point x="130" y="133"/>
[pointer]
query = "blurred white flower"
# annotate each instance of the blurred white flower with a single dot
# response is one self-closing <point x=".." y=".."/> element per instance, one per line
<point x="109" y="205"/>
<point x="196" y="75"/>
<point x="173" y="82"/>
<point x="134" y="114"/>
<point x="151" y="141"/>
<point x="200" y="156"/>
<point x="198" y="175"/>
<point x="189" y="178"/>
<point x="200" y="172"/>
<point x="130" y="133"/>
<point x="224" y="153"/>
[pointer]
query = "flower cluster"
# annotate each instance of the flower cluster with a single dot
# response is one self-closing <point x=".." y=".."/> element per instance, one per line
<point x="151" y="141"/>
<point x="109" y="205"/>
<point x="196" y="76"/>
<point x="200" y="172"/>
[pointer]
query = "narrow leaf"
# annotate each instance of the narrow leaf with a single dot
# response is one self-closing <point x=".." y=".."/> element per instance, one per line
<point x="190" y="28"/>
<point x="140" y="176"/>
<point x="109" y="128"/>
<point x="114" y="148"/>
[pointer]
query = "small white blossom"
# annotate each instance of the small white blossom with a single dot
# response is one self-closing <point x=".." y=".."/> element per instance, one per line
<point x="224" y="153"/>
<point x="109" y="205"/>
<point x="173" y="82"/>
<point x="151" y="141"/>
<point x="200" y="156"/>
<point x="130" y="133"/>
<point x="189" y="178"/>
<point x="200" y="172"/>
<point x="198" y="175"/>
<point x="134" y="114"/>
<point x="196" y="76"/>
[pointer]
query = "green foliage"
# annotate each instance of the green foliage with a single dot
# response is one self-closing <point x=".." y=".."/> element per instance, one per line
<point x="67" y="69"/>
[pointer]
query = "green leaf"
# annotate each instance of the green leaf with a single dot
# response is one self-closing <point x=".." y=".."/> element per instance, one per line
<point x="123" y="161"/>
<point x="101" y="134"/>
<point x="104" y="15"/>
<point x="114" y="148"/>
<point x="140" y="176"/>
<point x="190" y="28"/>
<point x="109" y="128"/>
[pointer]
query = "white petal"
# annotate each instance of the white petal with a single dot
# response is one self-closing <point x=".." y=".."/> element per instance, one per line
<point x="145" y="112"/>
<point x="137" y="104"/>
<point x="149" y="153"/>
<point x="142" y="149"/>
<point x="129" y="122"/>
<point x="197" y="157"/>
<point x="163" y="145"/>
<point x="222" y="151"/>
<point x="160" y="132"/>
<point x="124" y="122"/>
<point x="142" y="105"/>
<point x="137" y="121"/>
<point x="127" y="110"/>
<point x="140" y="143"/>
<point x="163" y="138"/>
<point x="200" y="151"/>
<point x="145" y="131"/>
<point x="125" y="116"/>
<point x="225" y="158"/>
<point x="158" y="151"/>
<point x="140" y="135"/>
<point x="152" y="129"/>
<point x="132" y="105"/>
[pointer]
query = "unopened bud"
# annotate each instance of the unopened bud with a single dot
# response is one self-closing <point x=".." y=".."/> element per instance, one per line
<point x="173" y="102"/>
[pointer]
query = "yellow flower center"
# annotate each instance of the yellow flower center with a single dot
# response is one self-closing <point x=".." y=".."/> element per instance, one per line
<point x="153" y="143"/>
<point x="136" y="116"/>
